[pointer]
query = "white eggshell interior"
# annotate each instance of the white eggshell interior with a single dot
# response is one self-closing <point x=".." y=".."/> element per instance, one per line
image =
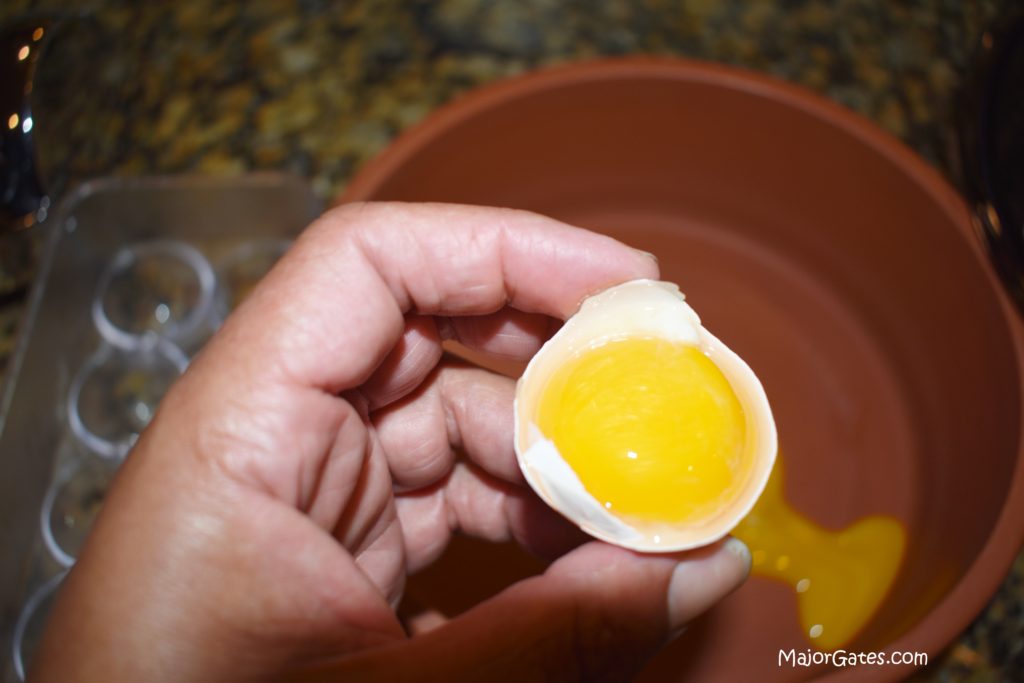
<point x="640" y="308"/>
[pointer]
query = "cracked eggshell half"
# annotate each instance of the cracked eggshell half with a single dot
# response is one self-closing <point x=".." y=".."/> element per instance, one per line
<point x="639" y="308"/>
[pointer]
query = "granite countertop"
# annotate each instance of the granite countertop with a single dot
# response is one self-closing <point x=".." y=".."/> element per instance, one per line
<point x="317" y="88"/>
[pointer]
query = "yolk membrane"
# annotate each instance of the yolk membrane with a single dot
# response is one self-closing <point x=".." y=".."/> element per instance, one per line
<point x="651" y="427"/>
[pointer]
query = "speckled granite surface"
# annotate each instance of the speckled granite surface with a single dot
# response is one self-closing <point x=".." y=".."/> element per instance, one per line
<point x="317" y="88"/>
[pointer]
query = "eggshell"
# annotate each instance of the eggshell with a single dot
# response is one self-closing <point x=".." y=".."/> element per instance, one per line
<point x="639" y="308"/>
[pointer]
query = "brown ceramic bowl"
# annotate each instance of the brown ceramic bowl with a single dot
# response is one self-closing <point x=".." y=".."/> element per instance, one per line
<point x="835" y="261"/>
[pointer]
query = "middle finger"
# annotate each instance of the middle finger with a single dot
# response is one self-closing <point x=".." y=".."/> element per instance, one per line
<point x="505" y="335"/>
<point x="457" y="407"/>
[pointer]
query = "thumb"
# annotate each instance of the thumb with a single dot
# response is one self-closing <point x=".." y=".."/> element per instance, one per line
<point x="597" y="614"/>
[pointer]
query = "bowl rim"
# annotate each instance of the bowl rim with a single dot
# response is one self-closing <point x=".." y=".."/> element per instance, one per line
<point x="953" y="614"/>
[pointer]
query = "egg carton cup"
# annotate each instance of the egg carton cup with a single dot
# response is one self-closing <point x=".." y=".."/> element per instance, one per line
<point x="185" y="330"/>
<point x="76" y="493"/>
<point x="28" y="627"/>
<point x="242" y="268"/>
<point x="158" y="356"/>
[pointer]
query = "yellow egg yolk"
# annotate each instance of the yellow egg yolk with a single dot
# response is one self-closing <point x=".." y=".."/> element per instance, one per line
<point x="651" y="427"/>
<point x="840" y="577"/>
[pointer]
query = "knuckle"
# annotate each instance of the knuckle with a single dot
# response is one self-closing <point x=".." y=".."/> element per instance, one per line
<point x="593" y="639"/>
<point x="603" y="646"/>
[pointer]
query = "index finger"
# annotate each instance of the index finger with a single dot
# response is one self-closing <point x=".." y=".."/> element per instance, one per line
<point x="329" y="312"/>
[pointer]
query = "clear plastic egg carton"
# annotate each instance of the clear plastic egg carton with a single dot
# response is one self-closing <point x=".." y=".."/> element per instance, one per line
<point x="136" y="275"/>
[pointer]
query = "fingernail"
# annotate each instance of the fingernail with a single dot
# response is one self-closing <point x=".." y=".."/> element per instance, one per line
<point x="676" y="632"/>
<point x="702" y="579"/>
<point x="740" y="550"/>
<point x="647" y="254"/>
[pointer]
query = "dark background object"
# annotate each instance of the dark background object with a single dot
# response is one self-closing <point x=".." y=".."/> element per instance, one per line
<point x="992" y="139"/>
<point x="21" y="190"/>
<point x="23" y="201"/>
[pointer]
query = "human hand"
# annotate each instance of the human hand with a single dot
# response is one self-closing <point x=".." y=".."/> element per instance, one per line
<point x="264" y="524"/>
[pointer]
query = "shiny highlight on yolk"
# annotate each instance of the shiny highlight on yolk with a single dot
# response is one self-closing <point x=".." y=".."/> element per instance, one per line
<point x="651" y="427"/>
<point x="840" y="577"/>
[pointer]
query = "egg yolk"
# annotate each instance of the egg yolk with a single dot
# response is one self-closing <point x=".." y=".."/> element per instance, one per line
<point x="840" y="577"/>
<point x="651" y="427"/>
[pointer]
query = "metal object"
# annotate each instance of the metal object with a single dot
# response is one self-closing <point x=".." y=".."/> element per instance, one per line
<point x="992" y="147"/>
<point x="58" y="337"/>
<point x="23" y="200"/>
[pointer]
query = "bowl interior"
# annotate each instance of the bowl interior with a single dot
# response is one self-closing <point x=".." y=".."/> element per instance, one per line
<point x="844" y="281"/>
